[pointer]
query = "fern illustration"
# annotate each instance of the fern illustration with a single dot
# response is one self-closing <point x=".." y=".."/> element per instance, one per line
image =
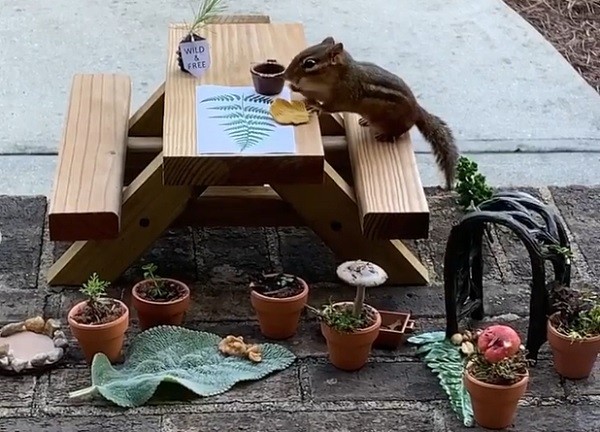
<point x="246" y="123"/>
<point x="445" y="361"/>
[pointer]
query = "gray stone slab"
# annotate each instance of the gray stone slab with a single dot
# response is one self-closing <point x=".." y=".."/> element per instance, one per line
<point x="544" y="382"/>
<point x="374" y="382"/>
<point x="231" y="257"/>
<point x="133" y="423"/>
<point x="554" y="418"/>
<point x="242" y="422"/>
<point x="17" y="391"/>
<point x="21" y="228"/>
<point x="585" y="387"/>
<point x="304" y="254"/>
<point x="580" y="207"/>
<point x="174" y="255"/>
<point x="282" y="386"/>
<point x="16" y="305"/>
<point x="372" y="421"/>
<point x="480" y="66"/>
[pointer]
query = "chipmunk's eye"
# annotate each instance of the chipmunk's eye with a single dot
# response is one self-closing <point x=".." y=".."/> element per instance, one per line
<point x="309" y="63"/>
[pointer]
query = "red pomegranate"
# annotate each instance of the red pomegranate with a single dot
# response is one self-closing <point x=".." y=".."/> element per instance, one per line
<point x="497" y="342"/>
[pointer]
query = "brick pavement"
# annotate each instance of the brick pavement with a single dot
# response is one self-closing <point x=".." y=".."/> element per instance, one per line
<point x="394" y="392"/>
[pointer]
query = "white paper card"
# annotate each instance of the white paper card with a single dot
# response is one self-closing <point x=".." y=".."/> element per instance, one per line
<point x="195" y="56"/>
<point x="237" y="120"/>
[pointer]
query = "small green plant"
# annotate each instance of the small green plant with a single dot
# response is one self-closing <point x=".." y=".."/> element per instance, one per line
<point x="340" y="318"/>
<point x="561" y="250"/>
<point x="95" y="290"/>
<point x="578" y="309"/>
<point x="158" y="289"/>
<point x="471" y="185"/>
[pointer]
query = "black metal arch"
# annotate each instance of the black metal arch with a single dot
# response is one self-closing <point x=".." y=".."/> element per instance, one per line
<point x="463" y="260"/>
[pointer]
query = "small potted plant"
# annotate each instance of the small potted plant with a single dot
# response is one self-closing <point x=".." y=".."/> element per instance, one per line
<point x="573" y="330"/>
<point x="278" y="300"/>
<point x="99" y="323"/>
<point x="158" y="300"/>
<point x="496" y="376"/>
<point x="350" y="328"/>
<point x="193" y="55"/>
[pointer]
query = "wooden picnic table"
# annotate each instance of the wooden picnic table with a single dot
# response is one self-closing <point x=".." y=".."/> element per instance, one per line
<point x="122" y="180"/>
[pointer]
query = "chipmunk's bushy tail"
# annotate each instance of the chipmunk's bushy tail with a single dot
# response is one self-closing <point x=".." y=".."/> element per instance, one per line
<point x="438" y="134"/>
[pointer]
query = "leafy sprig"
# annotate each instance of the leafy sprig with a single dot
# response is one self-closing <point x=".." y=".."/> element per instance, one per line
<point x="578" y="310"/>
<point x="158" y="289"/>
<point x="340" y="317"/>
<point x="508" y="371"/>
<point x="471" y="185"/>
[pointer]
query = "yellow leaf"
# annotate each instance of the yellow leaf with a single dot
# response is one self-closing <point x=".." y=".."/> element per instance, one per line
<point x="286" y="112"/>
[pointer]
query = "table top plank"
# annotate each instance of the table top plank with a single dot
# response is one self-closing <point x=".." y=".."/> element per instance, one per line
<point x="233" y="48"/>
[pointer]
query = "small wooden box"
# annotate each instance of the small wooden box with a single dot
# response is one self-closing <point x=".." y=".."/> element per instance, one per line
<point x="392" y="339"/>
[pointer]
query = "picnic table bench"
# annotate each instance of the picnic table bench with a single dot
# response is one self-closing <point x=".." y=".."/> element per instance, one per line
<point x="122" y="180"/>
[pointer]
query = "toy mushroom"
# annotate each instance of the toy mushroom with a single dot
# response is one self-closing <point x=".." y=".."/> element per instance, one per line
<point x="361" y="274"/>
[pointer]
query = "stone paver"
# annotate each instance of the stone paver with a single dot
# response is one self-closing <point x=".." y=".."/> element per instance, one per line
<point x="394" y="391"/>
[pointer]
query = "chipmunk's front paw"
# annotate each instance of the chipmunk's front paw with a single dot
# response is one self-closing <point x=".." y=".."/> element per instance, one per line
<point x="363" y="122"/>
<point x="313" y="107"/>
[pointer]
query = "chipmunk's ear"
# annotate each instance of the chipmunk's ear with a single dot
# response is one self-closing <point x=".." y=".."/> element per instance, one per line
<point x="328" y="41"/>
<point x="335" y="53"/>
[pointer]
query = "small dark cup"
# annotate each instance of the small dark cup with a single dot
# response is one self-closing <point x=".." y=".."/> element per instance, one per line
<point x="268" y="78"/>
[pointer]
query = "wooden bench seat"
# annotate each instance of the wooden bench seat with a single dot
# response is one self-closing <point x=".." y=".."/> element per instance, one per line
<point x="389" y="192"/>
<point x="87" y="194"/>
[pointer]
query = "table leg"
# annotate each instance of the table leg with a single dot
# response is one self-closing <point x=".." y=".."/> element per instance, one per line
<point x="149" y="208"/>
<point x="330" y="210"/>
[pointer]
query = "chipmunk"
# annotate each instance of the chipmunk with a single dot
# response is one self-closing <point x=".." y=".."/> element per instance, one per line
<point x="332" y="81"/>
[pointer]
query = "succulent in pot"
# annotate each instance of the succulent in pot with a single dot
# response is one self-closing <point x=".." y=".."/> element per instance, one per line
<point x="159" y="300"/>
<point x="278" y="300"/>
<point x="496" y="375"/>
<point x="573" y="330"/>
<point x="99" y="323"/>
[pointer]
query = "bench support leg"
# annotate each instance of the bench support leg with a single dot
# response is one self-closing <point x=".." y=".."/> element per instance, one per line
<point x="330" y="210"/>
<point x="149" y="208"/>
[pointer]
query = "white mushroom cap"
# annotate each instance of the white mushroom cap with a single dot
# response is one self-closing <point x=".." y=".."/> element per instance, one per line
<point x="361" y="273"/>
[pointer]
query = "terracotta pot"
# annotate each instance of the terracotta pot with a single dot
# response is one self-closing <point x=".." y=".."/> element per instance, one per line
<point x="105" y="338"/>
<point x="267" y="77"/>
<point x="153" y="313"/>
<point x="573" y="359"/>
<point x="350" y="351"/>
<point x="279" y="317"/>
<point x="494" y="406"/>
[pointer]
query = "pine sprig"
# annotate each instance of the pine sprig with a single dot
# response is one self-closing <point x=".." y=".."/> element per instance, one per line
<point x="207" y="10"/>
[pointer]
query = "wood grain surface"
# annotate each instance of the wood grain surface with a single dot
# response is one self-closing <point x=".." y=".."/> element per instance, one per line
<point x="86" y="197"/>
<point x="331" y="211"/>
<point x="390" y="195"/>
<point x="149" y="208"/>
<point x="234" y="48"/>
